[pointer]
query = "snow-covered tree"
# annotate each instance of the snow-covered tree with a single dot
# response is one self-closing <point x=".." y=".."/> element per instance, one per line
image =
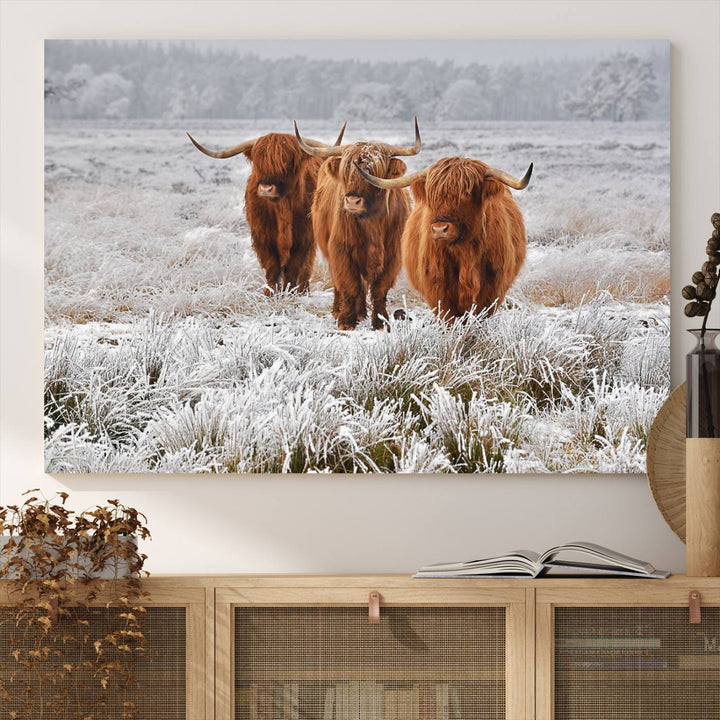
<point x="101" y="93"/>
<point x="420" y="87"/>
<point x="210" y="98"/>
<point x="638" y="89"/>
<point x="619" y="88"/>
<point x="80" y="72"/>
<point x="253" y="101"/>
<point x="463" y="100"/>
<point x="118" y="109"/>
<point x="182" y="101"/>
<point x="372" y="101"/>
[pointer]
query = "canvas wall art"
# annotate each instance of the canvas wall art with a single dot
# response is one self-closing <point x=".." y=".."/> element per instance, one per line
<point x="366" y="257"/>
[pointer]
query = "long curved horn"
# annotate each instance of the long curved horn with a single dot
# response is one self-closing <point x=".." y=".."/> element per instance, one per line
<point x="230" y="152"/>
<point x="404" y="150"/>
<point x="391" y="183"/>
<point x="323" y="151"/>
<point x="509" y="180"/>
<point x="342" y="132"/>
<point x="318" y="144"/>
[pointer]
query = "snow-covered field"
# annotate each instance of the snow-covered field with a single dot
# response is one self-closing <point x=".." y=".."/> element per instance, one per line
<point x="163" y="353"/>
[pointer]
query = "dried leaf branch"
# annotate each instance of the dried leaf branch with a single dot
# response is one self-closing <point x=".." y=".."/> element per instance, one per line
<point x="74" y="623"/>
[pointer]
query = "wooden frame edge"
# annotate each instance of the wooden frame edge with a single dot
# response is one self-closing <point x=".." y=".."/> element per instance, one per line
<point x="210" y="645"/>
<point x="544" y="661"/>
<point x="223" y="704"/>
<point x="195" y="669"/>
<point x="530" y="610"/>
<point x="515" y="662"/>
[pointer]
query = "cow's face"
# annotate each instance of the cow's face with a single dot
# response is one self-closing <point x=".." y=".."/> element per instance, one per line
<point x="360" y="198"/>
<point x="276" y="160"/>
<point x="453" y="191"/>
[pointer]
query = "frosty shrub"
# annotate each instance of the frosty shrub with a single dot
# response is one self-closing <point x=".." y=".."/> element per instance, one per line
<point x="71" y="449"/>
<point x="95" y="389"/>
<point x="621" y="454"/>
<point x="632" y="408"/>
<point x="589" y="267"/>
<point x="420" y="456"/>
<point x="645" y="359"/>
<point x="474" y="435"/>
<point x="533" y="355"/>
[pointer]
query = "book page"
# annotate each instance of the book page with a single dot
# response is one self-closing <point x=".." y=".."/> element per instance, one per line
<point x="584" y="552"/>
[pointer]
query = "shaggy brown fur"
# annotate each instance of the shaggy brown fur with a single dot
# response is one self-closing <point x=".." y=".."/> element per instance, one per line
<point x="362" y="247"/>
<point x="475" y="265"/>
<point x="280" y="227"/>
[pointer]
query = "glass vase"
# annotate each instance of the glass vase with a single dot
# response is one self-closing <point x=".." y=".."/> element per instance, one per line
<point x="703" y="386"/>
<point x="702" y="458"/>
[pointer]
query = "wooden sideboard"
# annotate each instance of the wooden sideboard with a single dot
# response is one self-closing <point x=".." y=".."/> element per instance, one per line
<point x="264" y="647"/>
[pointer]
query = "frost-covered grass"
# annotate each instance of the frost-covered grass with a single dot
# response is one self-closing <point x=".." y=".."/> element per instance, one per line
<point x="163" y="353"/>
<point x="519" y="391"/>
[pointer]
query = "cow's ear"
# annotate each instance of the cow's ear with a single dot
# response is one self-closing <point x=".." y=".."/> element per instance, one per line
<point x="397" y="168"/>
<point x="487" y="189"/>
<point x="418" y="190"/>
<point x="248" y="153"/>
<point x="332" y="165"/>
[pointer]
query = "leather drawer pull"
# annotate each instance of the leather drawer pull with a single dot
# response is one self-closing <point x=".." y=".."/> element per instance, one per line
<point x="694" y="603"/>
<point x="374" y="607"/>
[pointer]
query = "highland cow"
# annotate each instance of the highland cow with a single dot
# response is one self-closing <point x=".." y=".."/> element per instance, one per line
<point x="358" y="227"/>
<point x="464" y="242"/>
<point x="278" y="196"/>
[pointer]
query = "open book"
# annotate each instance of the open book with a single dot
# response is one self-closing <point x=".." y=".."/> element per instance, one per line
<point x="575" y="558"/>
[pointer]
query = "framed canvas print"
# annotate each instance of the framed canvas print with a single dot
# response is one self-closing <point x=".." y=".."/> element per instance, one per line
<point x="362" y="256"/>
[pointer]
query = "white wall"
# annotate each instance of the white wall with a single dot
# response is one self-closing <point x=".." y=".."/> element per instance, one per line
<point x="341" y="524"/>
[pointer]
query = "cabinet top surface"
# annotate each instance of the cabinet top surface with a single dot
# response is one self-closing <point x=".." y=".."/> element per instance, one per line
<point x="407" y="581"/>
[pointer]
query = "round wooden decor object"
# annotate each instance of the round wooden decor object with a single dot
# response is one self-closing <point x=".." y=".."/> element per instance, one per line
<point x="666" y="461"/>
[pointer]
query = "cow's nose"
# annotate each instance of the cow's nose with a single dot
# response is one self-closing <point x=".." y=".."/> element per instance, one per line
<point x="440" y="230"/>
<point x="267" y="190"/>
<point x="353" y="203"/>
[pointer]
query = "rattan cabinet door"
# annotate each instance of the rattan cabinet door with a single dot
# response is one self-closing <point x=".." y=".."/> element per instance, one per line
<point x="158" y="674"/>
<point x="628" y="662"/>
<point x="620" y="659"/>
<point x="332" y="663"/>
<point x="166" y="681"/>
<point x="328" y="662"/>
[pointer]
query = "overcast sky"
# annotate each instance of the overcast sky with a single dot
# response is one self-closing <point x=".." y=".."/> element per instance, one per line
<point x="485" y="52"/>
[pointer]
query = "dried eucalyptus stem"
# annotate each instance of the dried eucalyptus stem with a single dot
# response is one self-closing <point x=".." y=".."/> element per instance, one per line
<point x="701" y="296"/>
<point x="702" y="293"/>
